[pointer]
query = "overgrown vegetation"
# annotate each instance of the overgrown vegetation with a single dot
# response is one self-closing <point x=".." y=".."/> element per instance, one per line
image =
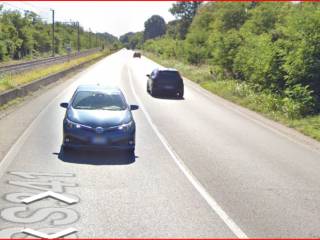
<point x="27" y="36"/>
<point x="266" y="102"/>
<point x="262" y="55"/>
<point x="272" y="47"/>
<point x="14" y="80"/>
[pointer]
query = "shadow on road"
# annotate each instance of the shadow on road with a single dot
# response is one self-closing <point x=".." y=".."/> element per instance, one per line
<point x="168" y="97"/>
<point x="96" y="158"/>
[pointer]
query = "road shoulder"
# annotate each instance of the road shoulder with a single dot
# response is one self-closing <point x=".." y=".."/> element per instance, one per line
<point x="15" y="119"/>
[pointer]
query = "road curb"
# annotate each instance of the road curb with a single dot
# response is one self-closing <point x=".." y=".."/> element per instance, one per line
<point x="24" y="90"/>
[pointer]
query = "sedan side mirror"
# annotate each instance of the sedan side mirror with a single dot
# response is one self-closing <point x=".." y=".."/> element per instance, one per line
<point x="134" y="107"/>
<point x="64" y="105"/>
<point x="148" y="75"/>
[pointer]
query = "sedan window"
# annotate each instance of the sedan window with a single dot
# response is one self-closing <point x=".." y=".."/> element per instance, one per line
<point x="98" y="100"/>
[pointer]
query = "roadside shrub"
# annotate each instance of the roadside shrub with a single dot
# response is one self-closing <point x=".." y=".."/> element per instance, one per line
<point x="3" y="50"/>
<point x="255" y="59"/>
<point x="166" y="47"/>
<point x="301" y="47"/>
<point x="298" y="101"/>
<point x="272" y="48"/>
<point x="224" y="47"/>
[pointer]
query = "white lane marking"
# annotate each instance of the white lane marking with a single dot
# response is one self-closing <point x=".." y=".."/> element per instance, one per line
<point x="187" y="172"/>
<point x="51" y="194"/>
<point x="38" y="234"/>
<point x="294" y="136"/>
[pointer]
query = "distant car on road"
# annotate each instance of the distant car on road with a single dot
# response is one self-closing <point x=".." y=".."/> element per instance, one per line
<point x="165" y="81"/>
<point x="137" y="55"/>
<point x="98" y="118"/>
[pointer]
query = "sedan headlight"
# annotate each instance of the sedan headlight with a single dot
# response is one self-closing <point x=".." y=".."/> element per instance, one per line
<point x="71" y="124"/>
<point x="126" y="126"/>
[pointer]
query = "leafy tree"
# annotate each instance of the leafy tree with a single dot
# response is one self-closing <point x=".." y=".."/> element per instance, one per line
<point x="166" y="47"/>
<point x="273" y="47"/>
<point x="125" y="38"/>
<point x="173" y="29"/>
<point x="185" y="12"/>
<point x="197" y="40"/>
<point x="136" y="40"/>
<point x="154" y="27"/>
<point x="23" y="35"/>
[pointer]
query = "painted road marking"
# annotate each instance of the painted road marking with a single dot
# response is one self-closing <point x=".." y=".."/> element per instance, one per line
<point x="15" y="232"/>
<point x="35" y="175"/>
<point x="51" y="194"/>
<point x="25" y="215"/>
<point x="187" y="172"/>
<point x="60" y="234"/>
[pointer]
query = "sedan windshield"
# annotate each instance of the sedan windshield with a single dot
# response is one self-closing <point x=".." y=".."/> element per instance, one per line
<point x="98" y="100"/>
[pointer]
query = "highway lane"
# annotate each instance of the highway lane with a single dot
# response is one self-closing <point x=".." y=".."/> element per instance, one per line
<point x="146" y="196"/>
<point x="264" y="181"/>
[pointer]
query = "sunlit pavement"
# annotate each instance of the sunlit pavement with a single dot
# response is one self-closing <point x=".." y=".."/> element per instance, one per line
<point x="194" y="158"/>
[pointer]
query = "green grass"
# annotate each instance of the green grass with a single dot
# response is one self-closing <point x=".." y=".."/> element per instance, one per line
<point x="13" y="102"/>
<point x="268" y="104"/>
<point x="13" y="80"/>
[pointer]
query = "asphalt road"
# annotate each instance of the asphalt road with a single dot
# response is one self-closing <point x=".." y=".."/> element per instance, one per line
<point x="203" y="168"/>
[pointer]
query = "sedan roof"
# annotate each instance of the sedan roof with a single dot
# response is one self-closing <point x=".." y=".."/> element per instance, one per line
<point x="98" y="88"/>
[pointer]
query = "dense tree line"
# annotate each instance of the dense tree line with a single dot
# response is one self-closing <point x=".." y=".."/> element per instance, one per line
<point x="23" y="35"/>
<point x="273" y="47"/>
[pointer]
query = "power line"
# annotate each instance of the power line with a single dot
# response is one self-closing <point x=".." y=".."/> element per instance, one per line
<point x="40" y="10"/>
<point x="10" y="4"/>
<point x="53" y="40"/>
<point x="37" y="7"/>
<point x="15" y="7"/>
<point x="75" y="24"/>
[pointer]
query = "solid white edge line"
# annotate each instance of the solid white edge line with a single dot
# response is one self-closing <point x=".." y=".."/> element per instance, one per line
<point x="187" y="172"/>
<point x="6" y="161"/>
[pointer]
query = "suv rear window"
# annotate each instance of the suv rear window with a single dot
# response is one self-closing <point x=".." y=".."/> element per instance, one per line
<point x="170" y="75"/>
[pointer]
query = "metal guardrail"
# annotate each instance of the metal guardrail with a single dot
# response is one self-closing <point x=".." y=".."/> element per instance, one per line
<point x="20" y="67"/>
<point x="23" y="90"/>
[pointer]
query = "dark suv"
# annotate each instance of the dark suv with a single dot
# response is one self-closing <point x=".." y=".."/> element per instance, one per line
<point x="165" y="81"/>
<point x="137" y="55"/>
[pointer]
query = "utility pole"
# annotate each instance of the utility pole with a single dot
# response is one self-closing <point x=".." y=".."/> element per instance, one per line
<point x="78" y="41"/>
<point x="96" y="40"/>
<point x="53" y="43"/>
<point x="89" y="38"/>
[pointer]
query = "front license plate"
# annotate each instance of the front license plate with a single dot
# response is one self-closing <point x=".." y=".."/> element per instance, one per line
<point x="99" y="140"/>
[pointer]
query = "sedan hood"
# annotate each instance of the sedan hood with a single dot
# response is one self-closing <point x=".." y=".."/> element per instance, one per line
<point x="99" y="118"/>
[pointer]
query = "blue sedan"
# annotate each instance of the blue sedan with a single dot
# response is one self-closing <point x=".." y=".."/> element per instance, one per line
<point x="98" y="118"/>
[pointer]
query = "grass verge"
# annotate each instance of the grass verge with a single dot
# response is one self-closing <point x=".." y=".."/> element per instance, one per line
<point x="10" y="81"/>
<point x="268" y="104"/>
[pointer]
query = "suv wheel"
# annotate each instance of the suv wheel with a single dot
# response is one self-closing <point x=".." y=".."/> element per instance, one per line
<point x="152" y="92"/>
<point x="180" y="94"/>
